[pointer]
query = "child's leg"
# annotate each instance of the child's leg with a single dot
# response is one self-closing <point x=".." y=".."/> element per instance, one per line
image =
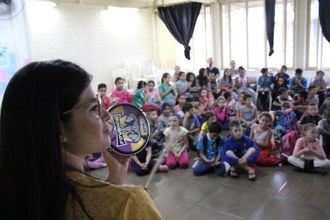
<point x="222" y="169"/>
<point x="171" y="160"/>
<point x="184" y="160"/>
<point x="200" y="167"/>
<point x="265" y="159"/>
<point x="295" y="161"/>
<point x="321" y="163"/>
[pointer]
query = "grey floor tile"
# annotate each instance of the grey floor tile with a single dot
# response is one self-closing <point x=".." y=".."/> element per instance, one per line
<point x="235" y="201"/>
<point x="171" y="207"/>
<point x="278" y="209"/>
<point x="198" y="213"/>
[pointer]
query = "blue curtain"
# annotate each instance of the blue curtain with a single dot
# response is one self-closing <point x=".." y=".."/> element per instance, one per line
<point x="270" y="23"/>
<point x="180" y="20"/>
<point x="324" y="15"/>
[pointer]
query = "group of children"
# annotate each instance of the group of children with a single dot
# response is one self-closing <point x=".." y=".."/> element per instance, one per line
<point x="188" y="118"/>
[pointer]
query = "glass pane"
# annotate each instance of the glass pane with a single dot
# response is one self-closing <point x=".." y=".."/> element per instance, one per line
<point x="208" y="32"/>
<point x="277" y="59"/>
<point x="199" y="41"/>
<point x="325" y="54"/>
<point x="289" y="32"/>
<point x="313" y="29"/>
<point x="256" y="30"/>
<point x="238" y="33"/>
<point x="225" y="36"/>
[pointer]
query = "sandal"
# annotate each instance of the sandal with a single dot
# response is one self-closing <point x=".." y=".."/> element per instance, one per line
<point x="233" y="172"/>
<point x="252" y="174"/>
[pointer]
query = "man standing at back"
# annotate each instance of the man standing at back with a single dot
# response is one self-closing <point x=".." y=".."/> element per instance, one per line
<point x="213" y="73"/>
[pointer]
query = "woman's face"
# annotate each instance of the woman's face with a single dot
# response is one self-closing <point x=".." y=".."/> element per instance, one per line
<point x="86" y="132"/>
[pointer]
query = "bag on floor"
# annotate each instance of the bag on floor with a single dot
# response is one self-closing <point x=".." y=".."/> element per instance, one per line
<point x="288" y="141"/>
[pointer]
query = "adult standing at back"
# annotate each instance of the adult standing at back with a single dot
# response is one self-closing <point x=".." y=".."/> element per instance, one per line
<point x="213" y="73"/>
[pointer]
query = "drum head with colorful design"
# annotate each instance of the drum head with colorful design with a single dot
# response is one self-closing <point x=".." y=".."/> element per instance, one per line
<point x="129" y="129"/>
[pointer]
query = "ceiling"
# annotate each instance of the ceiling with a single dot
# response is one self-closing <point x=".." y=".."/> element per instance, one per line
<point x="129" y="3"/>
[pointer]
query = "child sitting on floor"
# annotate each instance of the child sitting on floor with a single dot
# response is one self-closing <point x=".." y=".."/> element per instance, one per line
<point x="308" y="153"/>
<point x="210" y="118"/>
<point x="142" y="163"/>
<point x="192" y="124"/>
<point x="221" y="112"/>
<point x="209" y="147"/>
<point x="324" y="130"/>
<point x="247" y="115"/>
<point x="176" y="137"/>
<point x="286" y="120"/>
<point x="310" y="116"/>
<point x="240" y="151"/>
<point x="262" y="135"/>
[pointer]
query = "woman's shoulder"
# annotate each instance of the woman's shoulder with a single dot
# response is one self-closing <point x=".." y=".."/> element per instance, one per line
<point x="104" y="200"/>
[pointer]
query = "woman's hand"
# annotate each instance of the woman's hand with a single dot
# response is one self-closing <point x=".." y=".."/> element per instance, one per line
<point x="117" y="167"/>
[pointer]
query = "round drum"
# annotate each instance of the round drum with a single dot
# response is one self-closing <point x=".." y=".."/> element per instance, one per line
<point x="129" y="129"/>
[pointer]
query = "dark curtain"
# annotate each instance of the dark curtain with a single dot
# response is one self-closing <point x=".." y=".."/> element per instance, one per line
<point x="180" y="20"/>
<point x="270" y="23"/>
<point x="324" y="14"/>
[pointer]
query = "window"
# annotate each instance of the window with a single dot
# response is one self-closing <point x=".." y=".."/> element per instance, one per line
<point x="244" y="36"/>
<point x="319" y="47"/>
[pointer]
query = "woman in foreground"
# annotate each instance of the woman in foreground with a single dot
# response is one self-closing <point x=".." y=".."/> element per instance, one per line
<point x="51" y="120"/>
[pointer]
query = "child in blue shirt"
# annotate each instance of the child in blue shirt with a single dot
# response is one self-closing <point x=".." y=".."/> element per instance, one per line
<point x="286" y="120"/>
<point x="240" y="151"/>
<point x="209" y="148"/>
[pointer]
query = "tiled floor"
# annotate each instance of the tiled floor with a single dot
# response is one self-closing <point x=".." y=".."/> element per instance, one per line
<point x="278" y="193"/>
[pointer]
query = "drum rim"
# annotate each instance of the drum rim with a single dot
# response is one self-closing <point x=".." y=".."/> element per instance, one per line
<point x="115" y="149"/>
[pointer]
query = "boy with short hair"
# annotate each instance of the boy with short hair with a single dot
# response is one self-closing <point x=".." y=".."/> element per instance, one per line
<point x="298" y="82"/>
<point x="283" y="96"/>
<point x="300" y="105"/>
<point x="247" y="114"/>
<point x="210" y="118"/>
<point x="240" y="151"/>
<point x="192" y="124"/>
<point x="312" y="97"/>
<point x="209" y="148"/>
<point x="325" y="105"/>
<point x="321" y="86"/>
<point x="156" y="139"/>
<point x="104" y="99"/>
<point x="311" y="116"/>
<point x="324" y="131"/>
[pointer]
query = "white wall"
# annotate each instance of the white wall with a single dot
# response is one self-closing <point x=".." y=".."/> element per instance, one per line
<point x="95" y="38"/>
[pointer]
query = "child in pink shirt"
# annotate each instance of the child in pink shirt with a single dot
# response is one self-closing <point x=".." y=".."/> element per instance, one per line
<point x="205" y="101"/>
<point x="221" y="112"/>
<point x="308" y="153"/>
<point x="120" y="94"/>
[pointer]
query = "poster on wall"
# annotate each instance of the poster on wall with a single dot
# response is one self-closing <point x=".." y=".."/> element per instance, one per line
<point x="7" y="68"/>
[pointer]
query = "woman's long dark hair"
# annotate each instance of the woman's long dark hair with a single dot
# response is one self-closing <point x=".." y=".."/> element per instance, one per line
<point x="32" y="168"/>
